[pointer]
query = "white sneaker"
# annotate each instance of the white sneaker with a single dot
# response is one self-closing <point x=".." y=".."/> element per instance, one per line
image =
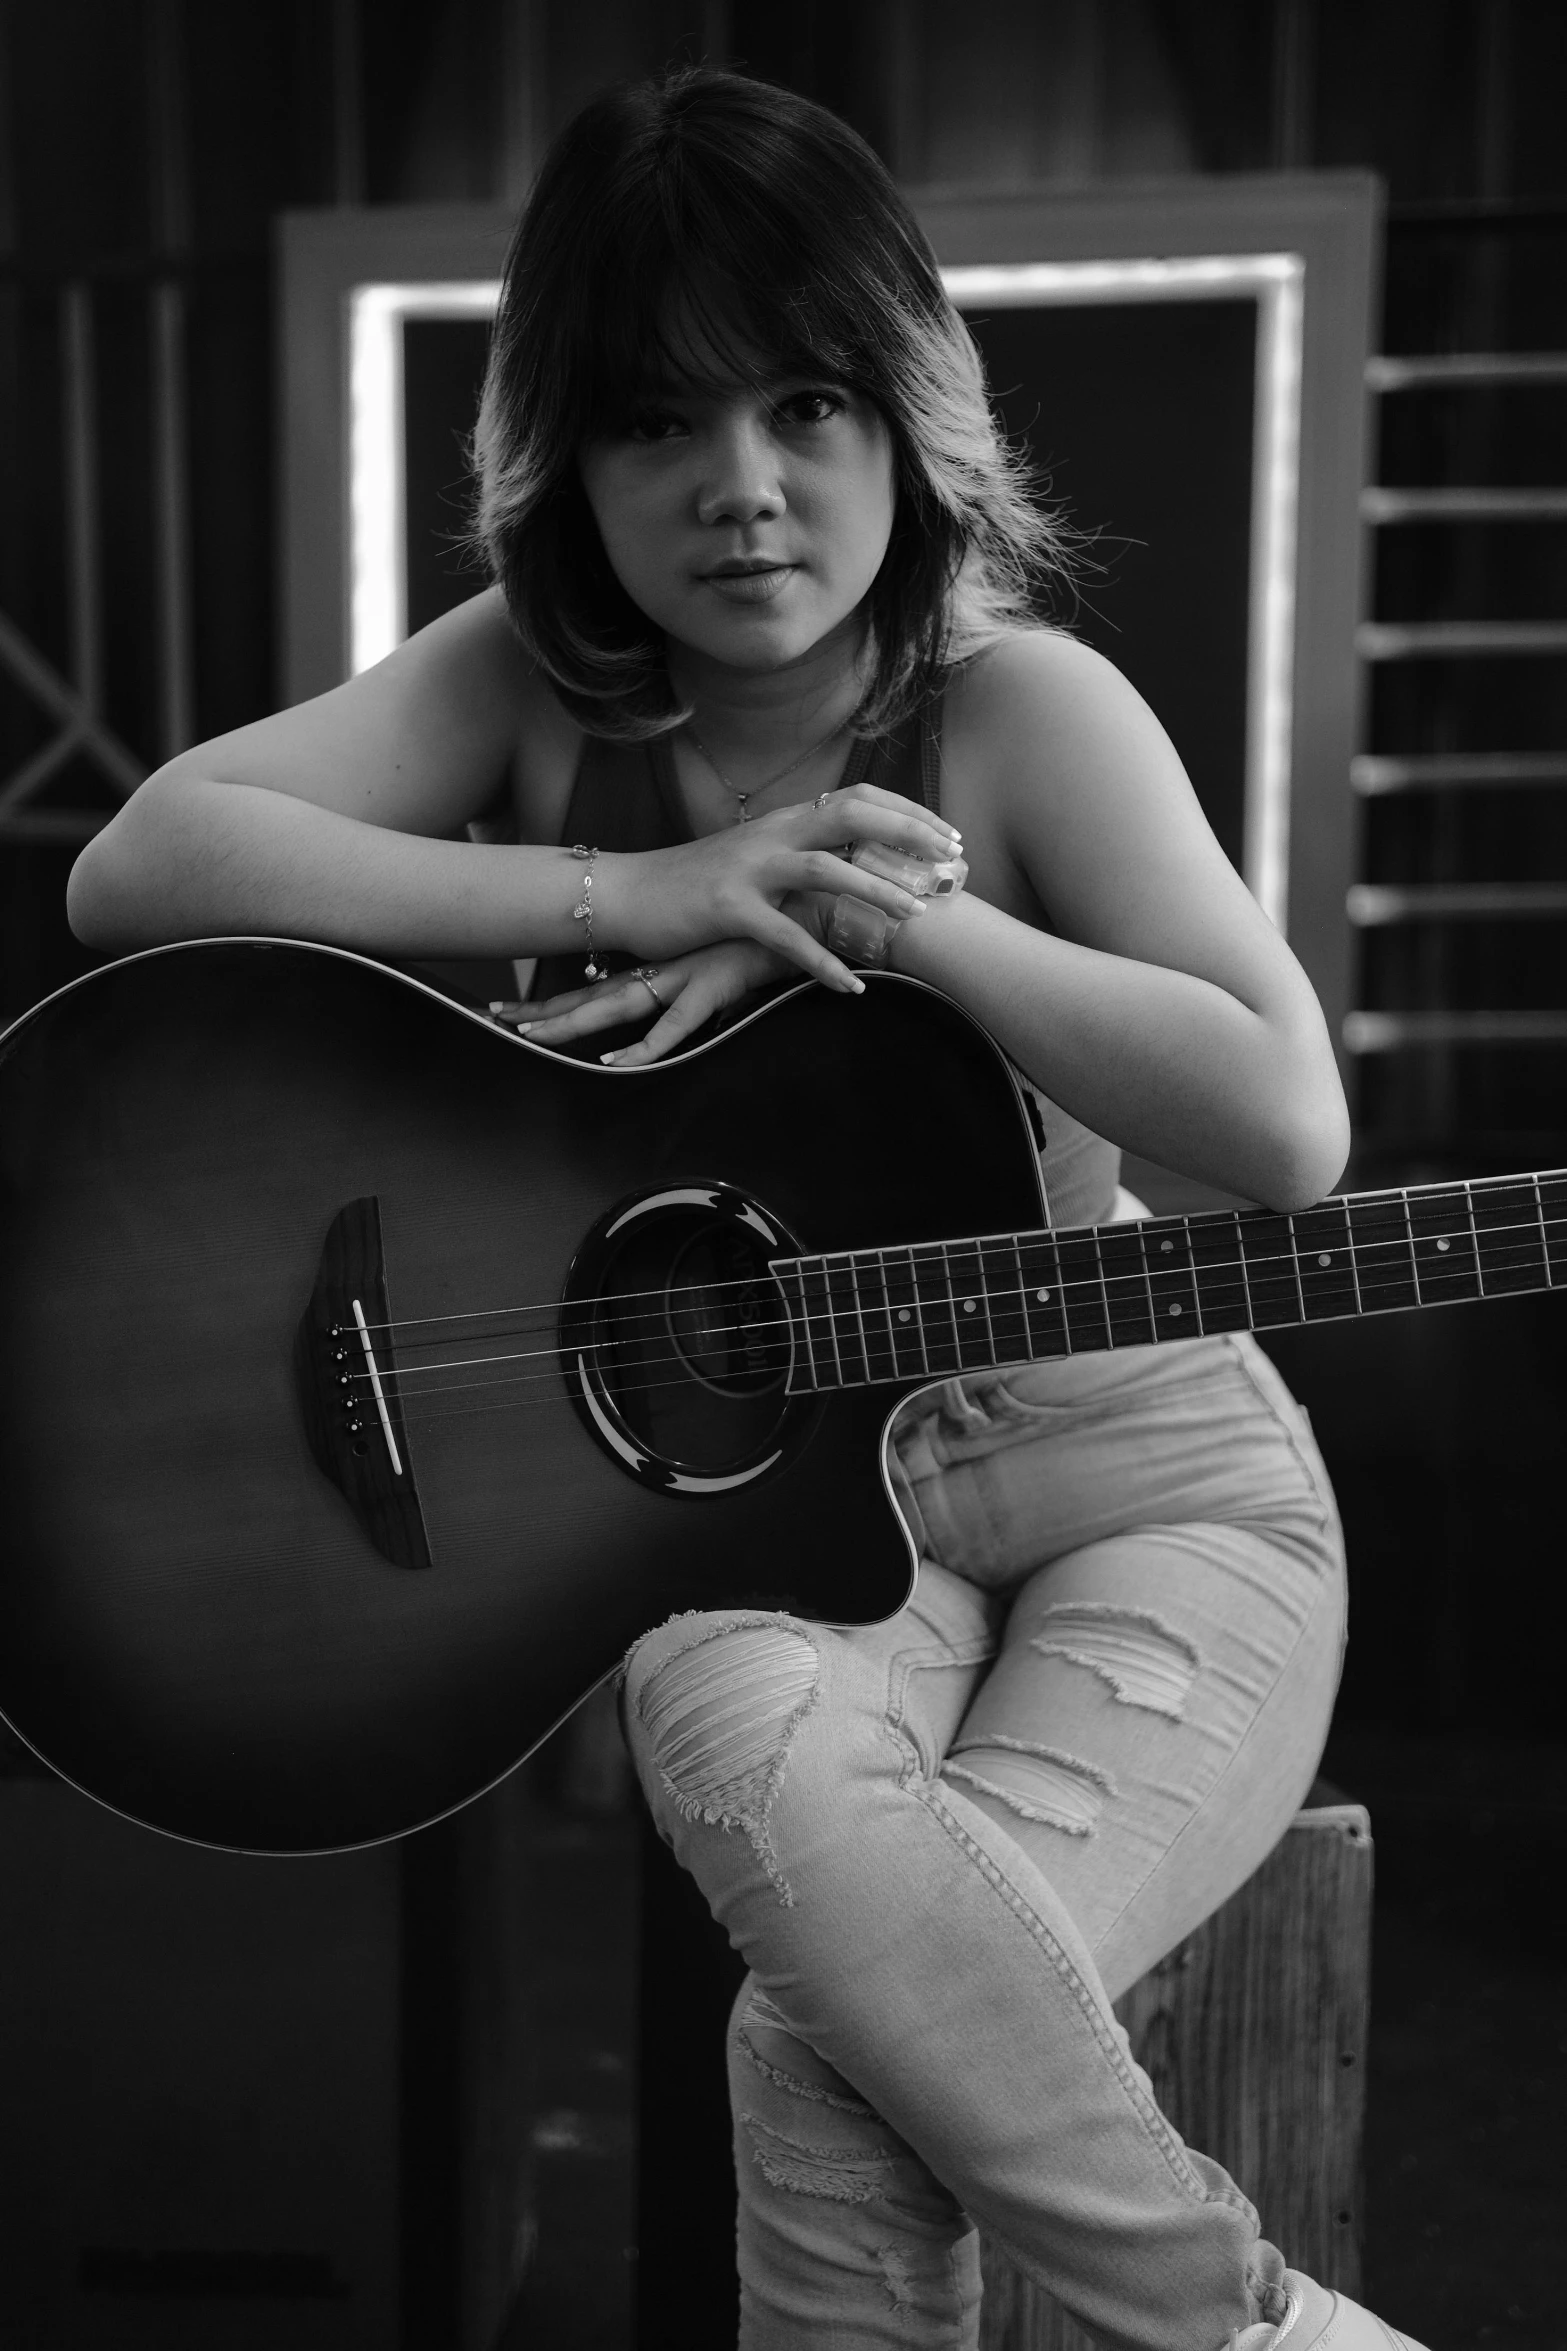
<point x="1317" y="2319"/>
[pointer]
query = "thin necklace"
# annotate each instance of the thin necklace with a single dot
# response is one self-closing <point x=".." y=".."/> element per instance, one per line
<point x="753" y="790"/>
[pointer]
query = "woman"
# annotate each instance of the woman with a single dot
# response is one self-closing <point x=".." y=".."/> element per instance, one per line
<point x="759" y="555"/>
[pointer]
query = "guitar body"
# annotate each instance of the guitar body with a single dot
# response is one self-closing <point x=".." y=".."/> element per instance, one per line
<point x="203" y="1629"/>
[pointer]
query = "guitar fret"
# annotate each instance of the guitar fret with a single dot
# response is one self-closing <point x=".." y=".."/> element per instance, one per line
<point x="934" y="1301"/>
<point x="1142" y="1244"/>
<point x="1300" y="1295"/>
<point x="1044" y="1309"/>
<point x="1445" y="1245"/>
<point x="1240" y="1251"/>
<point x="1512" y="1258"/>
<point x="904" y="1318"/>
<point x="1383" y="1251"/>
<point x="1172" y="1279"/>
<point x="881" y="1352"/>
<point x="1001" y="1269"/>
<point x="1123" y="1274"/>
<point x="1186" y="1230"/>
<point x="951" y="1304"/>
<point x="1325" y="1263"/>
<point x="1082" y="1294"/>
<point x="1475" y="1238"/>
<point x="1409" y="1233"/>
<point x="1272" y="1271"/>
<point x="1553" y="1220"/>
<point x="843" y="1306"/>
<point x="795" y="1270"/>
<point x="1104" y="1294"/>
<point x="971" y="1318"/>
<point x="859" y="1316"/>
<point x="1210" y="1247"/>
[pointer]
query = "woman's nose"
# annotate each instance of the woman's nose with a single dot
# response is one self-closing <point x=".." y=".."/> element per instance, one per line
<point x="740" y="481"/>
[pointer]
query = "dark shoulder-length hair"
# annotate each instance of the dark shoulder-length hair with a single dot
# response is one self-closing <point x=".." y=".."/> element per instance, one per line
<point x="708" y="204"/>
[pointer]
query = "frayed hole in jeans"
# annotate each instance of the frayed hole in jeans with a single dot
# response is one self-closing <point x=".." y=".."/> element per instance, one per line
<point x="1143" y="1660"/>
<point x="1037" y="1783"/>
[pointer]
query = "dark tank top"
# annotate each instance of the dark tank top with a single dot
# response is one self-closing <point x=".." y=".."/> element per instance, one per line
<point x="625" y="796"/>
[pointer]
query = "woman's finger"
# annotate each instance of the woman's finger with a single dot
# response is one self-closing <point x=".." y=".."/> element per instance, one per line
<point x="820" y="870"/>
<point x="535" y="1008"/>
<point x="610" y="1005"/>
<point x="684" y="1017"/>
<point x="867" y="814"/>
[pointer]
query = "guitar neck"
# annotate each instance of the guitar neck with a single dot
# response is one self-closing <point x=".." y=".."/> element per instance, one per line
<point x="935" y="1308"/>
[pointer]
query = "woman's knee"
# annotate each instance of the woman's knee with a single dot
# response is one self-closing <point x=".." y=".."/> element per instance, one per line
<point x="712" y="1706"/>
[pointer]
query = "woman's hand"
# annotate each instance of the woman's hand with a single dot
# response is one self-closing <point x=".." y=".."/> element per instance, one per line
<point x="743" y="884"/>
<point x="691" y="989"/>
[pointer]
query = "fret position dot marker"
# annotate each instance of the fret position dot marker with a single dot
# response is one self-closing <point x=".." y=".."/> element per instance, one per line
<point x="968" y="1305"/>
<point x="1175" y="1310"/>
<point x="1166" y="1247"/>
<point x="1323" y="1257"/>
<point x="1441" y="1244"/>
<point x="1043" y="1296"/>
<point x="903" y="1314"/>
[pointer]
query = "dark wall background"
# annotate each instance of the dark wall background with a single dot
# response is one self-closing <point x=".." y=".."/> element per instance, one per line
<point x="146" y="147"/>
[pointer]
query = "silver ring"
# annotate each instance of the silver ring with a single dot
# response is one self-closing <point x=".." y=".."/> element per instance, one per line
<point x="822" y="799"/>
<point x="647" y="973"/>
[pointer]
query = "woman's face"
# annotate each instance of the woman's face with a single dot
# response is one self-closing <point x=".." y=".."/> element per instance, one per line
<point x="747" y="523"/>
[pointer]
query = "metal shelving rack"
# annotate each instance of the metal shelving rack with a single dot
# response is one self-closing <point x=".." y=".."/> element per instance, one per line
<point x="1446" y="1027"/>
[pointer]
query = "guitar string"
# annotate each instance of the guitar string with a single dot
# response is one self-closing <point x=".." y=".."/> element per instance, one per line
<point x="876" y="1373"/>
<point x="1096" y="1286"/>
<point x="819" y="1322"/>
<point x="845" y="1260"/>
<point x="558" y="1395"/>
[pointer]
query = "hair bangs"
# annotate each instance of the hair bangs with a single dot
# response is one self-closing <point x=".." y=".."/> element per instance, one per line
<point x="709" y="305"/>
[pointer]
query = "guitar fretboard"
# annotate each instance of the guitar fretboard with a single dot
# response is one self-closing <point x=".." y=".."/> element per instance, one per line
<point x="940" y="1307"/>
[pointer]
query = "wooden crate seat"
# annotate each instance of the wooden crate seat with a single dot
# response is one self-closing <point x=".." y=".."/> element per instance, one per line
<point x="1253" y="2032"/>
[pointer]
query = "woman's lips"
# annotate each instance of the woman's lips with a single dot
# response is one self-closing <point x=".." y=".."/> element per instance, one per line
<point x="750" y="587"/>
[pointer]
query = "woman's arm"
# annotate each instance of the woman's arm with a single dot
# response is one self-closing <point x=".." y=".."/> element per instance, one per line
<point x="1165" y="1011"/>
<point x="326" y="822"/>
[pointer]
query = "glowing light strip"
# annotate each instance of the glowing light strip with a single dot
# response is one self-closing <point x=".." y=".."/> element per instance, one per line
<point x="377" y="554"/>
<point x="1276" y="283"/>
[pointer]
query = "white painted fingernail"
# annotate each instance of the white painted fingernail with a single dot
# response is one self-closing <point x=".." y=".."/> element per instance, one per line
<point x="609" y="1057"/>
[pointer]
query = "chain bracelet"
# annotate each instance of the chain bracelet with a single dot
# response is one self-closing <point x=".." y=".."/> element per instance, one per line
<point x="584" y="911"/>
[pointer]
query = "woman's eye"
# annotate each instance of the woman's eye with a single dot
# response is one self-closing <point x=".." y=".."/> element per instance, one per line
<point x="654" y="424"/>
<point x="810" y="407"/>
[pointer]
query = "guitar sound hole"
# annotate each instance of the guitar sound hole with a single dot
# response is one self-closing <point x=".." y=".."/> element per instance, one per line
<point x="723" y="1315"/>
<point x="678" y="1348"/>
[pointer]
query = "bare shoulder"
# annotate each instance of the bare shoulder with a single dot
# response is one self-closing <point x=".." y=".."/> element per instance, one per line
<point x="1040" y="698"/>
<point x="1086" y="796"/>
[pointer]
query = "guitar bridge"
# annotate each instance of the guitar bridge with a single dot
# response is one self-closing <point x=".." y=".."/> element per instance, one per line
<point x="344" y="1364"/>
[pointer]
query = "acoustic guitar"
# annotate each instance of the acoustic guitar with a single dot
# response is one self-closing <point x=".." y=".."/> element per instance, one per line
<point x="371" y="1377"/>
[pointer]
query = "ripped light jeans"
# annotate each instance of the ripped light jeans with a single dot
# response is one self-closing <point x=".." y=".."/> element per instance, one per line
<point x="944" y="1844"/>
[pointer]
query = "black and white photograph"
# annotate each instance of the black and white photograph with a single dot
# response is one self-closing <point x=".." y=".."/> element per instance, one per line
<point x="783" y="1148"/>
